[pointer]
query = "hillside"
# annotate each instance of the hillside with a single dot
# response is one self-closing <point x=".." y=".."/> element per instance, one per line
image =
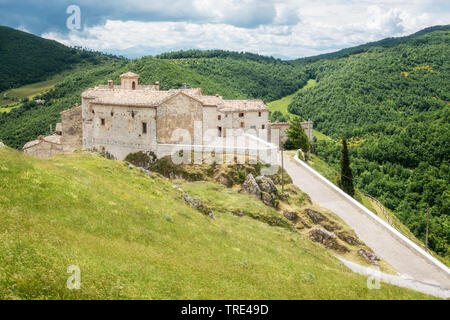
<point x="26" y="58"/>
<point x="392" y="102"/>
<point x="389" y="98"/>
<point x="134" y="237"/>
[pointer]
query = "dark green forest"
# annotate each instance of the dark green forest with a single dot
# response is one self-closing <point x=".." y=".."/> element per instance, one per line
<point x="389" y="99"/>
<point x="25" y="58"/>
<point x="392" y="102"/>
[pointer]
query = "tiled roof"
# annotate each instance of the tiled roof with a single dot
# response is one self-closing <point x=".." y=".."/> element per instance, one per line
<point x="55" y="139"/>
<point x="144" y="98"/>
<point x="149" y="96"/>
<point x="243" y="105"/>
<point x="129" y="75"/>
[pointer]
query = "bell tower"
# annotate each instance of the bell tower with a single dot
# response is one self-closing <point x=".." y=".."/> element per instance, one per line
<point x="129" y="81"/>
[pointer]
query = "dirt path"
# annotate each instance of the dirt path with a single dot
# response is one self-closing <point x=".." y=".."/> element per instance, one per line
<point x="408" y="262"/>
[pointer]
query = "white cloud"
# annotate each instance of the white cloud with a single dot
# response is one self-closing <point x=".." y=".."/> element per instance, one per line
<point x="291" y="28"/>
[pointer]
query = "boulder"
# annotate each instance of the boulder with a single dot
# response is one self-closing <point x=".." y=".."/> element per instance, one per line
<point x="2" y="145"/>
<point x="315" y="216"/>
<point x="290" y="215"/>
<point x="371" y="257"/>
<point x="266" y="184"/>
<point x="251" y="187"/>
<point x="269" y="199"/>
<point x="348" y="238"/>
<point x="328" y="239"/>
<point x="197" y="204"/>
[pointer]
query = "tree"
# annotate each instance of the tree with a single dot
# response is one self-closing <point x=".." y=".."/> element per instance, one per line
<point x="297" y="138"/>
<point x="346" y="180"/>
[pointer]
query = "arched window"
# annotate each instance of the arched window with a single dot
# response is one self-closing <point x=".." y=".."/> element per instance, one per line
<point x="133" y="85"/>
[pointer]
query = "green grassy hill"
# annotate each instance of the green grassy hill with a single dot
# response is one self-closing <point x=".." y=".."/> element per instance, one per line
<point x="134" y="237"/>
<point x="391" y="100"/>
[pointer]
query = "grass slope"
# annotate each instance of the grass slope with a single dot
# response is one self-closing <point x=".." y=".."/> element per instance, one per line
<point x="283" y="103"/>
<point x="133" y="237"/>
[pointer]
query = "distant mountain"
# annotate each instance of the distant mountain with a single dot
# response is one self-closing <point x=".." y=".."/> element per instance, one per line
<point x="26" y="58"/>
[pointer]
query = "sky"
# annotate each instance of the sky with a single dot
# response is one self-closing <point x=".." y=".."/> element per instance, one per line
<point x="284" y="29"/>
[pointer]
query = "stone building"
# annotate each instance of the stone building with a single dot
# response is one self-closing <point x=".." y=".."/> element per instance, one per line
<point x="126" y="118"/>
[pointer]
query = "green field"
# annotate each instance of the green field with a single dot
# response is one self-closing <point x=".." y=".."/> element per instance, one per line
<point x="13" y="96"/>
<point x="283" y="103"/>
<point x="133" y="237"/>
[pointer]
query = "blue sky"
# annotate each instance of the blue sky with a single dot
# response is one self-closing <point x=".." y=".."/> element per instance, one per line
<point x="286" y="29"/>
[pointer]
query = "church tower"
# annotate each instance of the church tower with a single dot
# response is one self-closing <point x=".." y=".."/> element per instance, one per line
<point x="129" y="81"/>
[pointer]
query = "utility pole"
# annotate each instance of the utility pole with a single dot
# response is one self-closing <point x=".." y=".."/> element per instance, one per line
<point x="282" y="164"/>
<point x="426" y="234"/>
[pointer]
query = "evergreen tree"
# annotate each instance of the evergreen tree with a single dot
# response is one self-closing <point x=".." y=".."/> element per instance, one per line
<point x="297" y="138"/>
<point x="346" y="180"/>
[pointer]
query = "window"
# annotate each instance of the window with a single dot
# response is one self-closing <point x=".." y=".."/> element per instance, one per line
<point x="259" y="115"/>
<point x="263" y="127"/>
<point x="219" y="117"/>
<point x="242" y="124"/>
<point x="133" y="85"/>
<point x="102" y="121"/>
<point x="144" y="127"/>
<point x="241" y="114"/>
<point x="219" y="131"/>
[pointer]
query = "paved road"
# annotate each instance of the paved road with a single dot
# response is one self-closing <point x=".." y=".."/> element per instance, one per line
<point x="404" y="259"/>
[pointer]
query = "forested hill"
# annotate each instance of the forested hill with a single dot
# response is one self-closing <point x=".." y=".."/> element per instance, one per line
<point x="254" y="75"/>
<point x="393" y="103"/>
<point x="26" y="58"/>
<point x="412" y="39"/>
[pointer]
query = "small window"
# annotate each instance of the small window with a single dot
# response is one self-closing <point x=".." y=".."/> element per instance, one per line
<point x="259" y="115"/>
<point x="263" y="127"/>
<point x="219" y="117"/>
<point x="102" y="120"/>
<point x="242" y="124"/>
<point x="144" y="127"/>
<point x="241" y="114"/>
<point x="219" y="131"/>
<point x="133" y="85"/>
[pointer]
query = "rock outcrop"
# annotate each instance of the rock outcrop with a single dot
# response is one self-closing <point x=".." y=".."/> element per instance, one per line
<point x="348" y="238"/>
<point x="262" y="188"/>
<point x="315" y="216"/>
<point x="328" y="239"/>
<point x="371" y="257"/>
<point x="251" y="187"/>
<point x="197" y="204"/>
<point x="290" y="215"/>
<point x="2" y="145"/>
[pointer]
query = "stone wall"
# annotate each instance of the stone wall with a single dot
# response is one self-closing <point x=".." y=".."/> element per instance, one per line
<point x="43" y="149"/>
<point x="179" y="112"/>
<point x="118" y="130"/>
<point x="71" y="130"/>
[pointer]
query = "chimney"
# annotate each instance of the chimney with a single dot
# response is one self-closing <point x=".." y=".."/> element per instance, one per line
<point x="110" y="84"/>
<point x="157" y="85"/>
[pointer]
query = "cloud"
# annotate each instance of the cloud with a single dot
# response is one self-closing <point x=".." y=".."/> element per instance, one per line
<point x="288" y="28"/>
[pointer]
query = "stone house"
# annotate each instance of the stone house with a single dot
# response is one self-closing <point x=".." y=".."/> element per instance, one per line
<point x="126" y="118"/>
